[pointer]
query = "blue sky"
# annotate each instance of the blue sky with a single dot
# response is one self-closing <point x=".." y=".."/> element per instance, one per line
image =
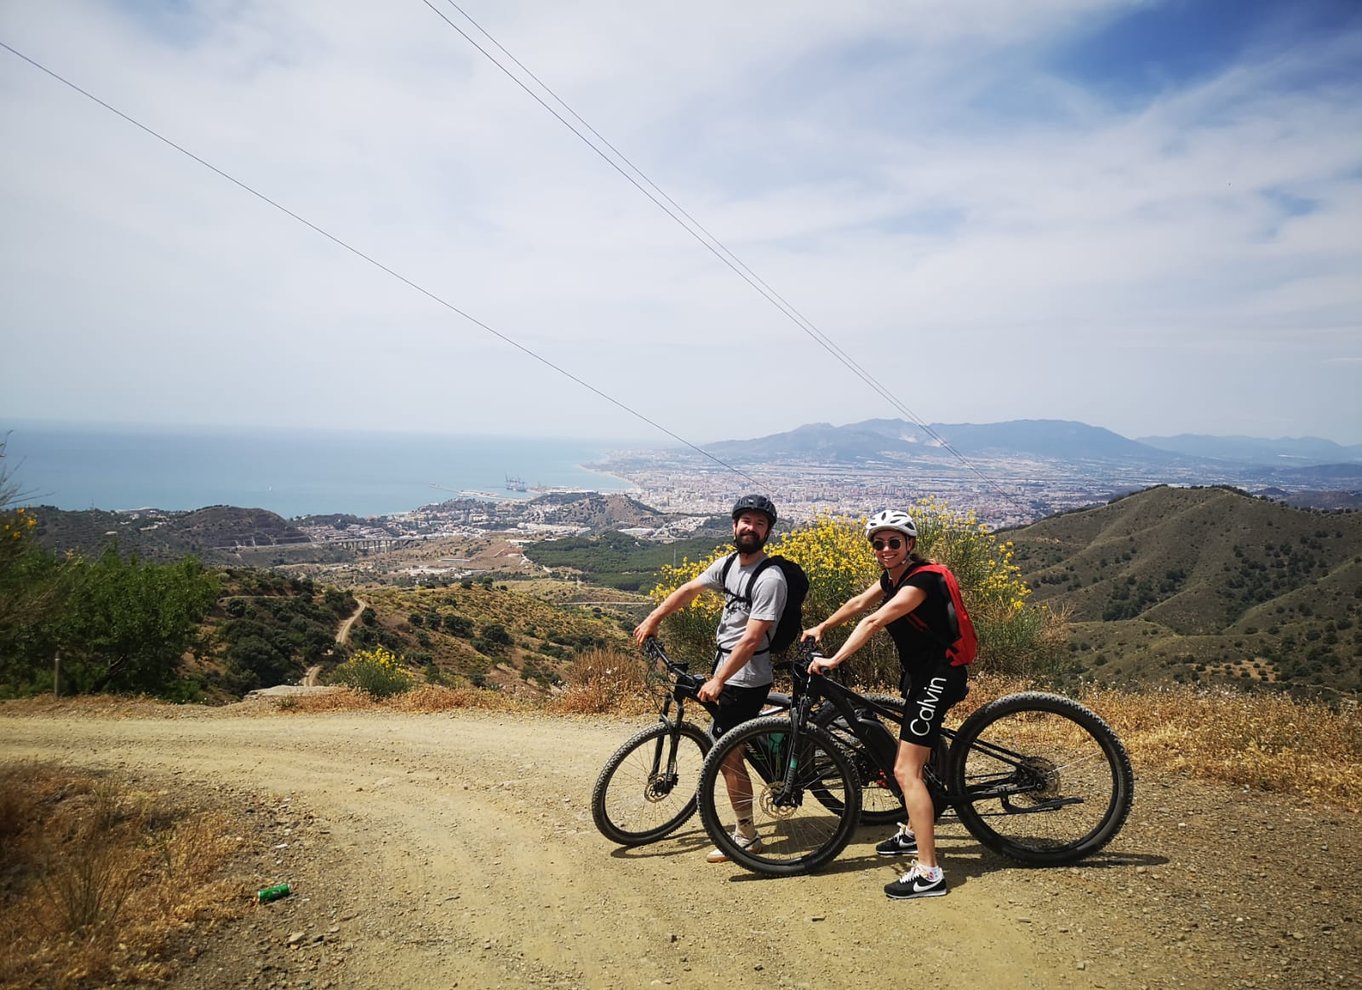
<point x="1140" y="215"/>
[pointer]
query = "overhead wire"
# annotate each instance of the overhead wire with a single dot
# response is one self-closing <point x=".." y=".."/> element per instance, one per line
<point x="380" y="265"/>
<point x="697" y="230"/>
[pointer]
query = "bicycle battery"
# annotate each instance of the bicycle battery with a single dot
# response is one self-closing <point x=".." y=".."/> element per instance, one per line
<point x="879" y="740"/>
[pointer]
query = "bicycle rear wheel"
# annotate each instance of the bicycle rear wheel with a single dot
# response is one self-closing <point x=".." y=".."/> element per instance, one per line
<point x="1040" y="778"/>
<point x="798" y="832"/>
<point x="638" y="796"/>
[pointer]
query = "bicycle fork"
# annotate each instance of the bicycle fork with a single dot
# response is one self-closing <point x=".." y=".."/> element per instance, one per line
<point x="790" y="793"/>
<point x="663" y="776"/>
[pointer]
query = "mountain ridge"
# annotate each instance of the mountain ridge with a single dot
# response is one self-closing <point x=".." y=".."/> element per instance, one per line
<point x="1058" y="439"/>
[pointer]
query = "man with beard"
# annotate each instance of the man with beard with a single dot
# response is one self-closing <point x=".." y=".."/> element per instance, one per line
<point x="742" y="675"/>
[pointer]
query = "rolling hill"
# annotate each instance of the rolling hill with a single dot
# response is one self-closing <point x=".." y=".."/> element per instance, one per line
<point x="1283" y="451"/>
<point x="897" y="439"/>
<point x="1204" y="584"/>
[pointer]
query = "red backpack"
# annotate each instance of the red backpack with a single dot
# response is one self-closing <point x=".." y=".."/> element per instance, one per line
<point x="964" y="647"/>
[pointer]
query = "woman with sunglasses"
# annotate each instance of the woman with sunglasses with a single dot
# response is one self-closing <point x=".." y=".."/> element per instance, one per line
<point x="915" y="609"/>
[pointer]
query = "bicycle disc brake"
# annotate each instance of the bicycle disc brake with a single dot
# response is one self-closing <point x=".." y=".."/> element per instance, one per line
<point x="659" y="787"/>
<point x="777" y="802"/>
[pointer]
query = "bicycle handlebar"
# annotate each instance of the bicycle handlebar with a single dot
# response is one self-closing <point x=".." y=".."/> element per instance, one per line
<point x="681" y="671"/>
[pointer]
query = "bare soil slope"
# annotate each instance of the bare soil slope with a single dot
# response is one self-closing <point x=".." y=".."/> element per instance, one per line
<point x="458" y="850"/>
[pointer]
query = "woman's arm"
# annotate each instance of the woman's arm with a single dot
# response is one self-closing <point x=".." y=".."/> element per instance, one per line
<point x="907" y="599"/>
<point x="852" y="606"/>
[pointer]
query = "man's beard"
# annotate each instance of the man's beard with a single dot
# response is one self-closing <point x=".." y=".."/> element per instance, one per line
<point x="748" y="543"/>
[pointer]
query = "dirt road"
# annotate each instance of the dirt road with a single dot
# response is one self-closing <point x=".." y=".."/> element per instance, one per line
<point x="458" y="850"/>
<point x="343" y="634"/>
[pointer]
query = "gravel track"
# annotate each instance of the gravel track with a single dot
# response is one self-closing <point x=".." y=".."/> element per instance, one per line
<point x="458" y="850"/>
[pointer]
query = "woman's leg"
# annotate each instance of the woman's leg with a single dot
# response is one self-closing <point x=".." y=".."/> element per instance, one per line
<point x="917" y="799"/>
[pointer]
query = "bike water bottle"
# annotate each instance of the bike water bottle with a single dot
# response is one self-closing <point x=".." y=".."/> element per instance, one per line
<point x="274" y="893"/>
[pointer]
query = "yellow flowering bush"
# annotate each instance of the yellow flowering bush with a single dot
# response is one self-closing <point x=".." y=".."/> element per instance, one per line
<point x="15" y="525"/>
<point x="378" y="672"/>
<point x="1014" y="637"/>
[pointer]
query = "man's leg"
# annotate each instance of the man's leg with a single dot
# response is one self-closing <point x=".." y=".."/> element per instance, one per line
<point x="739" y="785"/>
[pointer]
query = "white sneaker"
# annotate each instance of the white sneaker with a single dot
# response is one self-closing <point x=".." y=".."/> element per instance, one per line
<point x="743" y="842"/>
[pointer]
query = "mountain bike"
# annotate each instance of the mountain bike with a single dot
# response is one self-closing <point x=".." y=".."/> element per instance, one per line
<point x="1036" y="777"/>
<point x="646" y="789"/>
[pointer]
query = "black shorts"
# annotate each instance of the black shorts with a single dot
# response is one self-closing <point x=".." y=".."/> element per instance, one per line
<point x="926" y="699"/>
<point x="736" y="706"/>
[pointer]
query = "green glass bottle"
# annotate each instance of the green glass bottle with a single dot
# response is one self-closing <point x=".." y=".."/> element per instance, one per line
<point x="274" y="893"/>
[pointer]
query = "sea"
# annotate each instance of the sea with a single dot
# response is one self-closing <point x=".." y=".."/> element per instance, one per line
<point x="291" y="472"/>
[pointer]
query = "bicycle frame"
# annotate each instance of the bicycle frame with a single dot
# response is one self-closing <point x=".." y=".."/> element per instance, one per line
<point x="808" y="691"/>
<point x="1020" y="778"/>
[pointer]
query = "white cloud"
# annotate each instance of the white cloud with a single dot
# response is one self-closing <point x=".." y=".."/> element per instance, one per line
<point x="988" y="262"/>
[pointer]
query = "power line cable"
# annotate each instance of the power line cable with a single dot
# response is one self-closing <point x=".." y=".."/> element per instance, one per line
<point x="707" y="239"/>
<point x="382" y="267"/>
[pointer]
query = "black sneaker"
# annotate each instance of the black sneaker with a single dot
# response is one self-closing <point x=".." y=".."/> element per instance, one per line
<point x="901" y="843"/>
<point x="915" y="883"/>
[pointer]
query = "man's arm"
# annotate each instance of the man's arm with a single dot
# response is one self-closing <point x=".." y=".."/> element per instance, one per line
<point x="674" y="602"/>
<point x="752" y="638"/>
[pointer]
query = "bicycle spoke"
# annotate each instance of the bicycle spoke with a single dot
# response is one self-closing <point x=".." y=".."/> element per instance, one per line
<point x="642" y="795"/>
<point x="800" y="825"/>
<point x="1044" y="779"/>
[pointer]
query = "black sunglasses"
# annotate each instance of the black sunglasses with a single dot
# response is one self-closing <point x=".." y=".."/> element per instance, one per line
<point x="893" y="543"/>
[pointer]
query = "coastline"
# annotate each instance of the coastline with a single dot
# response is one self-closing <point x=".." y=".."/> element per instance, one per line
<point x="291" y="473"/>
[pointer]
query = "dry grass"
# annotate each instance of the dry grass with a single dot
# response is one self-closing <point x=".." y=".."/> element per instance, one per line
<point x="1266" y="742"/>
<point x="96" y="879"/>
<point x="100" y="705"/>
<point x="1303" y="749"/>
<point x="600" y="682"/>
<point x="607" y="682"/>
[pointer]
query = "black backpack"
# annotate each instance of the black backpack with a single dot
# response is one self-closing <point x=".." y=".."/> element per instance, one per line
<point x="791" y="621"/>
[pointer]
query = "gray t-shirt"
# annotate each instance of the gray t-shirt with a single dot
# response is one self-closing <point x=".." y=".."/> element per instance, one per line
<point x="767" y="602"/>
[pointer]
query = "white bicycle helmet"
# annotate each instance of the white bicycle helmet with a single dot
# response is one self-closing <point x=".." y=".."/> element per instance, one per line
<point x="893" y="519"/>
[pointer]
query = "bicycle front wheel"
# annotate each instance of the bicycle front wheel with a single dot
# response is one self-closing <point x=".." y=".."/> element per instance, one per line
<point x="642" y="794"/>
<point x="1040" y="778"/>
<point x="800" y="827"/>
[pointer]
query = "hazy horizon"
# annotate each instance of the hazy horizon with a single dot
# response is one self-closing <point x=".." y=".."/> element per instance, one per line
<point x="617" y="441"/>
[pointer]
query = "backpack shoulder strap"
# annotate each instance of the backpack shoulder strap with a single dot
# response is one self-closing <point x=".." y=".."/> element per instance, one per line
<point x="723" y="575"/>
<point x="756" y="573"/>
<point x="890" y="588"/>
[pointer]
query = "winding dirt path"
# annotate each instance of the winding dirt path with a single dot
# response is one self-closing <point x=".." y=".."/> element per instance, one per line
<point x="434" y="851"/>
<point x="343" y="635"/>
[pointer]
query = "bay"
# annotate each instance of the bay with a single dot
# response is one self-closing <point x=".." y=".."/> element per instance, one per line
<point x="290" y="472"/>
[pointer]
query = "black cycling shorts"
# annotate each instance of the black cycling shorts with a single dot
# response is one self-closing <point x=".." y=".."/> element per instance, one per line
<point x="736" y="706"/>
<point x="926" y="699"/>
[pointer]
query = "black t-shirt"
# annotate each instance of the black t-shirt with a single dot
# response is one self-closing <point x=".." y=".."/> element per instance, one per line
<point x="921" y="648"/>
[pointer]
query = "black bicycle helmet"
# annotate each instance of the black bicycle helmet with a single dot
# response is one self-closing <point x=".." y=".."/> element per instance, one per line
<point x="755" y="503"/>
